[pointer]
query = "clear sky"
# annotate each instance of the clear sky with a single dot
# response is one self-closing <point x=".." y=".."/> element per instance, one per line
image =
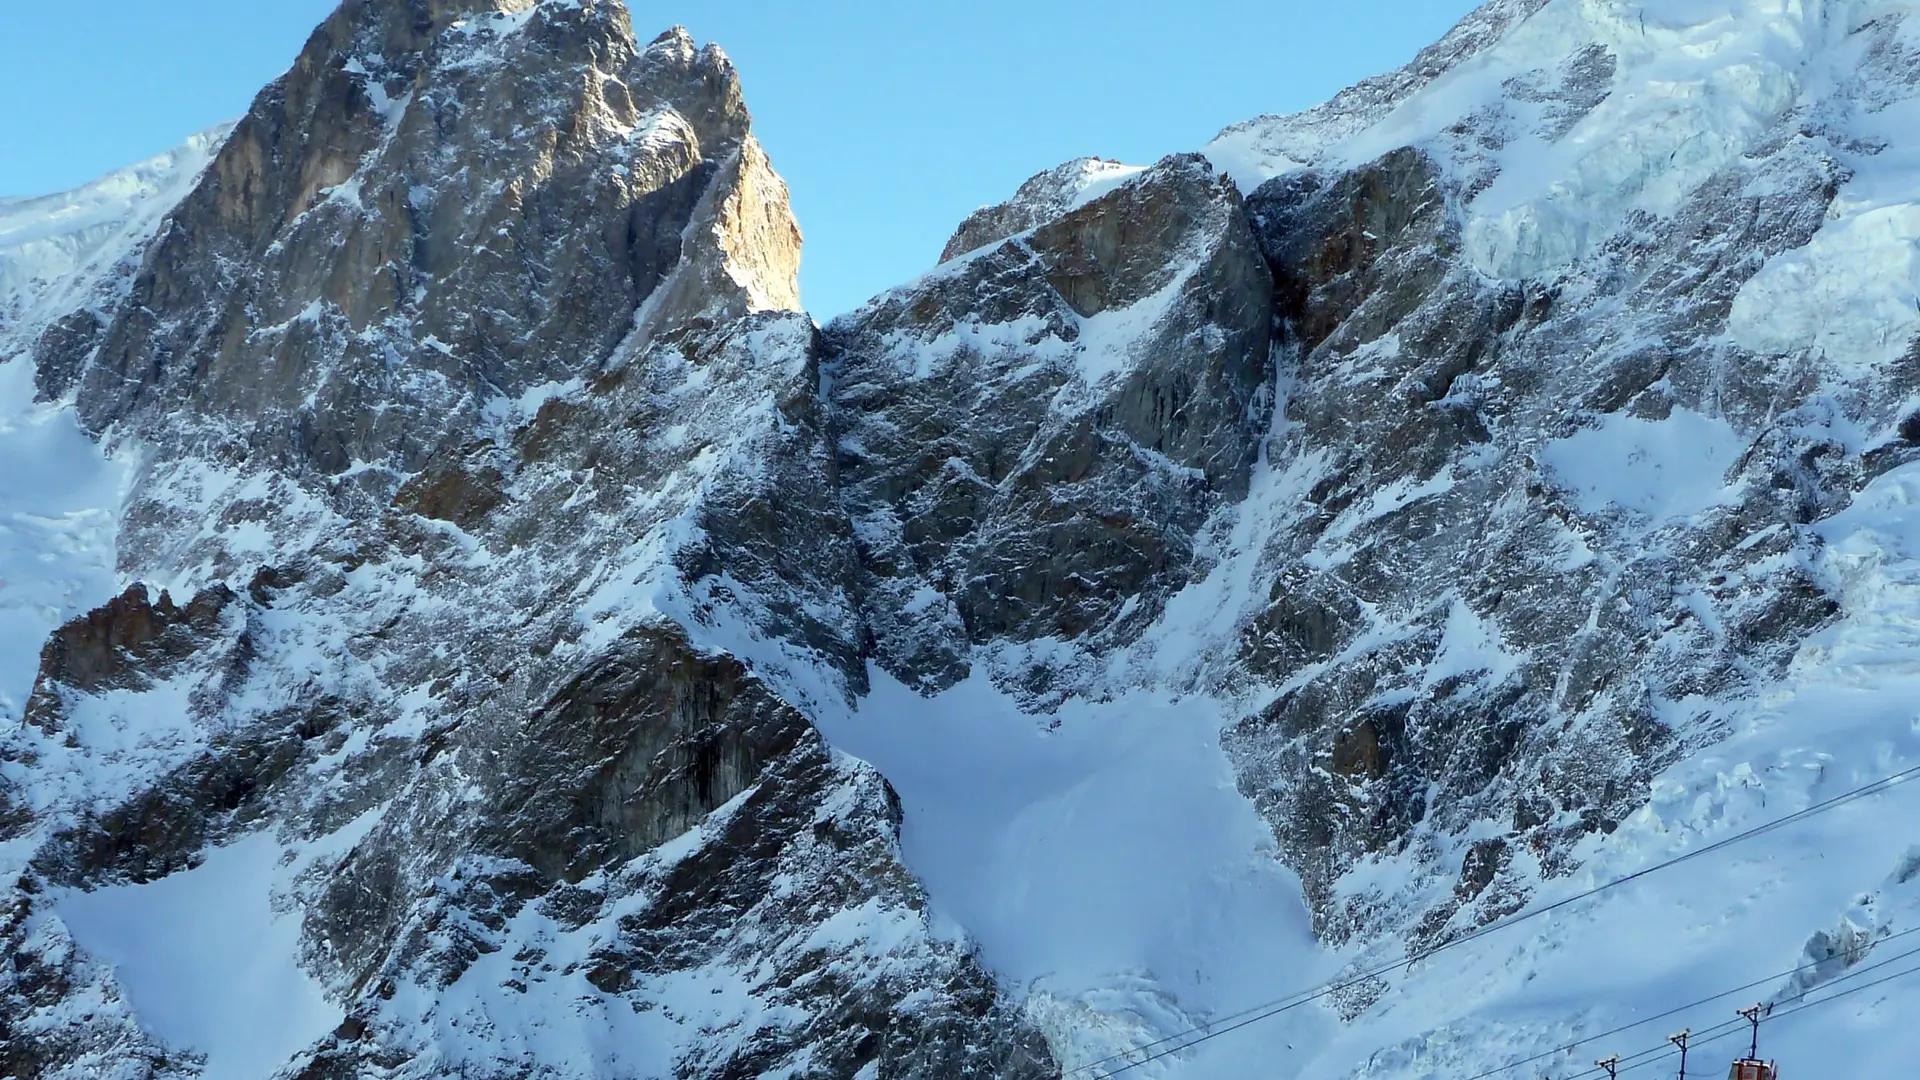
<point x="891" y="121"/>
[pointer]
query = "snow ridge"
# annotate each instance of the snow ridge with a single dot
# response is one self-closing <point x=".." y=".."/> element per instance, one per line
<point x="53" y="248"/>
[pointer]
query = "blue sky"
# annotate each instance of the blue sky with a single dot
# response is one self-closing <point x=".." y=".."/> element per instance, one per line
<point x="891" y="121"/>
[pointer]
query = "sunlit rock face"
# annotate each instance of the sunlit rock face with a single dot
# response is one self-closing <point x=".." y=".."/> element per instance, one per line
<point x="1268" y="562"/>
<point x="435" y="207"/>
<point x="455" y="430"/>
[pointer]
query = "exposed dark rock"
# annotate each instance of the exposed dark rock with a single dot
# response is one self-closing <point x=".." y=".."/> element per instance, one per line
<point x="1026" y="491"/>
<point x="127" y="644"/>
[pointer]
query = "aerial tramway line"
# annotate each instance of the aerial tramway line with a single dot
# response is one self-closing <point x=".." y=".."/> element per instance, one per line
<point x="1749" y="1068"/>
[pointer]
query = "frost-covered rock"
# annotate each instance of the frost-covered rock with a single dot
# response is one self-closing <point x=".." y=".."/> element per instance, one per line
<point x="1039" y="200"/>
<point x="1031" y="435"/>
<point x="1258" y="566"/>
<point x="420" y="238"/>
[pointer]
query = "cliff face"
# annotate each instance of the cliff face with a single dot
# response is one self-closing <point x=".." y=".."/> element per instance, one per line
<point x="447" y="412"/>
<point x="1228" y="572"/>
<point x="1030" y="437"/>
<point x="438" y="205"/>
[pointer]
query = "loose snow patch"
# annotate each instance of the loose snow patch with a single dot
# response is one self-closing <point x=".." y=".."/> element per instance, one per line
<point x="1103" y="856"/>
<point x="59" y="503"/>
<point x="1665" y="470"/>
<point x="207" y="960"/>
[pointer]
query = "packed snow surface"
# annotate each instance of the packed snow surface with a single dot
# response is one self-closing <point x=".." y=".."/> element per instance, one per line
<point x="59" y="512"/>
<point x="208" y="957"/>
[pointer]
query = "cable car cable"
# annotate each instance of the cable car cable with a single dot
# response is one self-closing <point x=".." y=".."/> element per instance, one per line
<point x="1686" y="1008"/>
<point x="1729" y="1028"/>
<point x="1257" y="1013"/>
<point x="1781" y="1014"/>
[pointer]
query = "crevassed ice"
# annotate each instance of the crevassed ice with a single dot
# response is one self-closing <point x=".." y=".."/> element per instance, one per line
<point x="1697" y="82"/>
<point x="1849" y="295"/>
<point x="1852" y="294"/>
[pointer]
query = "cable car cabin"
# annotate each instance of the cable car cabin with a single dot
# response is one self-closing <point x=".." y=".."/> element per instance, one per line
<point x="1753" y="1070"/>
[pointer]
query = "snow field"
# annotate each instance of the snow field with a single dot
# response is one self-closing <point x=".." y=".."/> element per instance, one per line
<point x="59" y="515"/>
<point x="209" y="957"/>
<point x="1102" y="857"/>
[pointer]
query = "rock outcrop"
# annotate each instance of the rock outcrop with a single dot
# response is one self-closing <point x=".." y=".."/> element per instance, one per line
<point x="1032" y="435"/>
<point x="438" y="205"/>
<point x="1039" y="200"/>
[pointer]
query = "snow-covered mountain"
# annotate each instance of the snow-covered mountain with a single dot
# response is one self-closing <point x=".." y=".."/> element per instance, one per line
<point x="489" y="631"/>
<point x="55" y="247"/>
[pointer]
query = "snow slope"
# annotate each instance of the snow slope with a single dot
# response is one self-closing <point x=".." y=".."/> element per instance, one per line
<point x="59" y="495"/>
<point x="198" y="948"/>
<point x="1102" y="858"/>
<point x="59" y="502"/>
<point x="54" y="248"/>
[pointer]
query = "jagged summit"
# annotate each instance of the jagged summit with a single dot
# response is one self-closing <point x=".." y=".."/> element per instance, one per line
<point x="412" y="192"/>
<point x="1040" y="199"/>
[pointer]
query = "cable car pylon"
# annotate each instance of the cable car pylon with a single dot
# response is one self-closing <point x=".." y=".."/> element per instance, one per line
<point x="1751" y="1067"/>
<point x="1681" y="1041"/>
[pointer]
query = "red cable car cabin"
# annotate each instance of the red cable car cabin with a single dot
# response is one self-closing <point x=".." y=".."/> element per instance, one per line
<point x="1753" y="1070"/>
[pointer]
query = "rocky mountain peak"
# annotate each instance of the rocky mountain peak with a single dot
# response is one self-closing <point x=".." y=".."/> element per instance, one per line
<point x="435" y="196"/>
<point x="1040" y="199"/>
<point x="1212" y="577"/>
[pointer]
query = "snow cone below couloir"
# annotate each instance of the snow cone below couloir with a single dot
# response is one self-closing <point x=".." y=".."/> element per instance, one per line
<point x="462" y="619"/>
